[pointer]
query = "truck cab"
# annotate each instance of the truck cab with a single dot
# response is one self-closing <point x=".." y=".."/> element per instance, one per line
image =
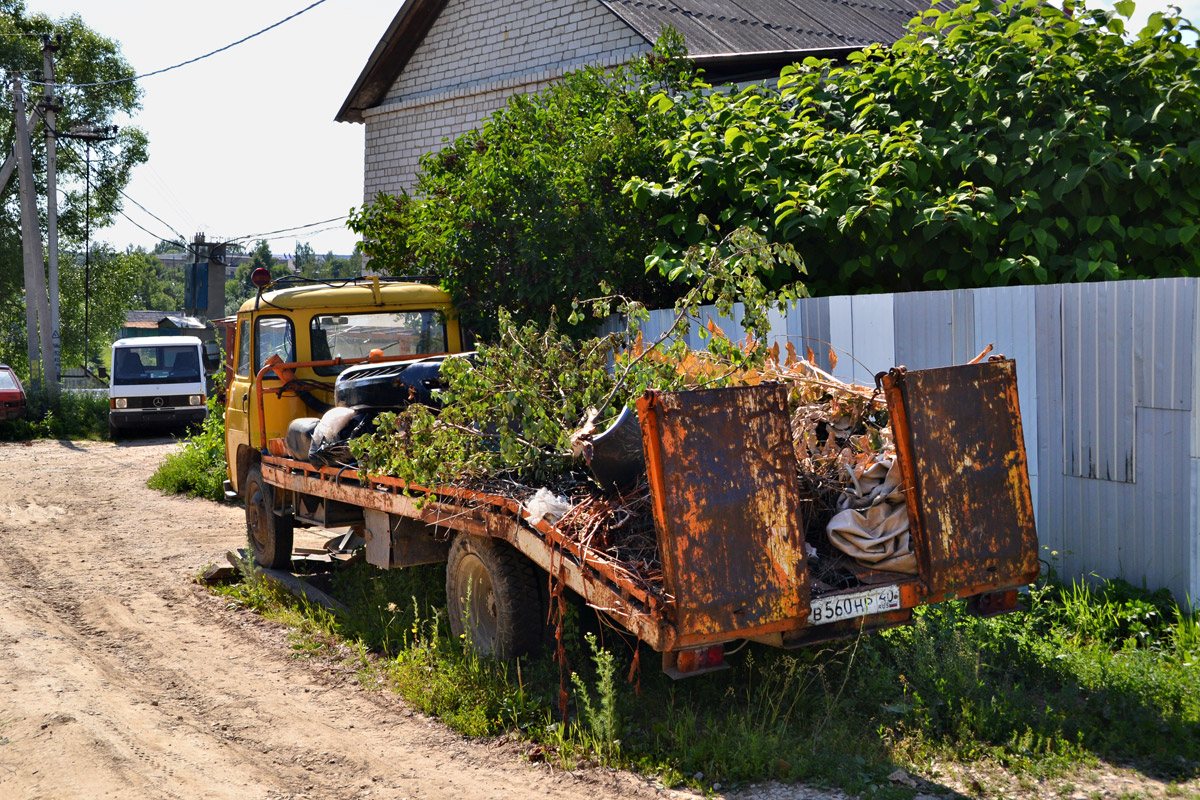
<point x="296" y="320"/>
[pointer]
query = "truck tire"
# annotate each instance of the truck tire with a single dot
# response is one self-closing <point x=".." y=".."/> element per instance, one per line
<point x="492" y="597"/>
<point x="270" y="534"/>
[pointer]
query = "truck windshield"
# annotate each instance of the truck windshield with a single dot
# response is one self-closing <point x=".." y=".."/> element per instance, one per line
<point x="396" y="333"/>
<point x="158" y="364"/>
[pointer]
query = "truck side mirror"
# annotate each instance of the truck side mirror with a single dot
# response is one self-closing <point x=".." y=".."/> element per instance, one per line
<point x="212" y="356"/>
<point x="102" y="372"/>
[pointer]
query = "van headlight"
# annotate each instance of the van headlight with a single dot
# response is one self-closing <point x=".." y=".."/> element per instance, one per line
<point x="196" y="400"/>
<point x="121" y="402"/>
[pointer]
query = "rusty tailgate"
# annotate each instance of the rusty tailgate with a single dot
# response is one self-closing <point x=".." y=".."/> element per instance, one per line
<point x="958" y="434"/>
<point x="722" y="473"/>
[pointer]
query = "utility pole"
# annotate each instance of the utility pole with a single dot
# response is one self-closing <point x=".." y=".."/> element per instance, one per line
<point x="37" y="307"/>
<point x="51" y="108"/>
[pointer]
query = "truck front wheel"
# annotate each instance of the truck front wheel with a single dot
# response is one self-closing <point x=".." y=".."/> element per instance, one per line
<point x="270" y="534"/>
<point x="492" y="597"/>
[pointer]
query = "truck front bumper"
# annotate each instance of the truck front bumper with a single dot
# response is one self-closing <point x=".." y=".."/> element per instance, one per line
<point x="142" y="417"/>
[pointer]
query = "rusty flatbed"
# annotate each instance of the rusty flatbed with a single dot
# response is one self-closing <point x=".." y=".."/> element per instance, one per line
<point x="722" y="477"/>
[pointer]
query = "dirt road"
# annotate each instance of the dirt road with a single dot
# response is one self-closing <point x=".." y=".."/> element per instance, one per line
<point x="120" y="678"/>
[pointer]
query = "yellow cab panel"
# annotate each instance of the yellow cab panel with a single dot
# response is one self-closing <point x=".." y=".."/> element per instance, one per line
<point x="299" y="321"/>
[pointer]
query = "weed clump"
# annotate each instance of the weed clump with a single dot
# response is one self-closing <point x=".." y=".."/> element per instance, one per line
<point x="198" y="469"/>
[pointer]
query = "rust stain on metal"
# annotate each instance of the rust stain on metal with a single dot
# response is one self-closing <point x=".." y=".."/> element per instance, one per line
<point x="602" y="584"/>
<point x="959" y="437"/>
<point x="722" y="474"/>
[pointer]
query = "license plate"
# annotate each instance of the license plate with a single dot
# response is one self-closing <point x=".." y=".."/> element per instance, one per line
<point x="849" y="606"/>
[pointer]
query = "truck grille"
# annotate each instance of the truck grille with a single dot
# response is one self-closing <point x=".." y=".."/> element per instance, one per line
<point x="163" y="401"/>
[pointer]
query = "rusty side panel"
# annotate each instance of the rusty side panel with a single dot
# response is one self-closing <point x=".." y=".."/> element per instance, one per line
<point x="958" y="432"/>
<point x="599" y="584"/>
<point x="722" y="474"/>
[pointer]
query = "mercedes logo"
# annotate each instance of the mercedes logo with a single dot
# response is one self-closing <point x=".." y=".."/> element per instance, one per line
<point x="158" y="402"/>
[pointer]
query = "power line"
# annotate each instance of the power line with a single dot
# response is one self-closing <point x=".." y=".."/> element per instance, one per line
<point x="95" y="172"/>
<point x="151" y="213"/>
<point x="284" y="233"/>
<point x="288" y="235"/>
<point x="152" y="233"/>
<point x="268" y="234"/>
<point x="243" y="40"/>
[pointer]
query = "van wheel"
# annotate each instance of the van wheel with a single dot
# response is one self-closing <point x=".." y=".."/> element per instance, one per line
<point x="114" y="432"/>
<point x="270" y="534"/>
<point x="492" y="597"/>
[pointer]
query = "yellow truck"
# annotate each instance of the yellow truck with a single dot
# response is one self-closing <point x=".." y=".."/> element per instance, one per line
<point x="733" y="563"/>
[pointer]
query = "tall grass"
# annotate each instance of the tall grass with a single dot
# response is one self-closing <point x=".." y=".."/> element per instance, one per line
<point x="72" y="415"/>
<point x="1087" y="672"/>
<point x="198" y="468"/>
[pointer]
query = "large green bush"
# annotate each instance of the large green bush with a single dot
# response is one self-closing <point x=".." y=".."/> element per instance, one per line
<point x="996" y="144"/>
<point x="527" y="213"/>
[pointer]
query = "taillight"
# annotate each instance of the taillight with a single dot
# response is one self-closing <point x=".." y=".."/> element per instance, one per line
<point x="694" y="660"/>
<point x="994" y="602"/>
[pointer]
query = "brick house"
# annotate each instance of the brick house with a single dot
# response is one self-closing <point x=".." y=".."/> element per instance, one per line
<point x="444" y="65"/>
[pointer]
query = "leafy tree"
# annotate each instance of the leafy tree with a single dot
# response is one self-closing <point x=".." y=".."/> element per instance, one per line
<point x="155" y="285"/>
<point x="527" y="213"/>
<point x="335" y="268"/>
<point x="84" y="57"/>
<point x="114" y="281"/>
<point x="239" y="289"/>
<point x="995" y="144"/>
<point x="305" y="260"/>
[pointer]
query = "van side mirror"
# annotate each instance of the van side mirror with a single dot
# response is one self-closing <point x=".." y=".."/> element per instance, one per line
<point x="102" y="372"/>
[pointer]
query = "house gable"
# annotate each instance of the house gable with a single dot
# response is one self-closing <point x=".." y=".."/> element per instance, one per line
<point x="474" y="44"/>
<point x="475" y="56"/>
<point x="443" y="66"/>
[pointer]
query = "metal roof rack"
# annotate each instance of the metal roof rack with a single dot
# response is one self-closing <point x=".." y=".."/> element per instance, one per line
<point x="290" y="281"/>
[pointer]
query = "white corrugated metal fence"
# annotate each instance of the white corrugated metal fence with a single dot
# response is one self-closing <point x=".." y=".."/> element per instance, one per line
<point x="1109" y="399"/>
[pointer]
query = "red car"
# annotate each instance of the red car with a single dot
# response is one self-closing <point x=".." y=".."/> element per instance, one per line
<point x="12" y="396"/>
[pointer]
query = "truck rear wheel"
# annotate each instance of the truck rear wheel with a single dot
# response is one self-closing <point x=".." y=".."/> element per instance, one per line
<point x="492" y="597"/>
<point x="270" y="534"/>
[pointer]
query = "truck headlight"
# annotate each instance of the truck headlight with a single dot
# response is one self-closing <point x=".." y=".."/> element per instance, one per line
<point x="196" y="400"/>
<point x="121" y="402"/>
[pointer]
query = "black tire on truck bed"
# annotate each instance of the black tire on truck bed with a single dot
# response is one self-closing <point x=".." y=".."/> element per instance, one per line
<point x="270" y="534"/>
<point x="492" y="596"/>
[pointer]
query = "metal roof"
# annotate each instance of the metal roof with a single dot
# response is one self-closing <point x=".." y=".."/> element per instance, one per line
<point x="152" y="319"/>
<point x="731" y="39"/>
<point x="719" y="27"/>
<point x="343" y="298"/>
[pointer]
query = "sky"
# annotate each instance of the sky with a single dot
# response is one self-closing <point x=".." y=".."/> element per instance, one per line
<point x="244" y="142"/>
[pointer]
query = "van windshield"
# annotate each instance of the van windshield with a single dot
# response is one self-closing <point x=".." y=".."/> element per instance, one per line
<point x="160" y="364"/>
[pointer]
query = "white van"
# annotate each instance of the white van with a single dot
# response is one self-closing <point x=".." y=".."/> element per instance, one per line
<point x="156" y="381"/>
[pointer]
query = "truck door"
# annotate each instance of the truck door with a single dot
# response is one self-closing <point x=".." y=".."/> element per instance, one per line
<point x="260" y="337"/>
<point x="237" y="398"/>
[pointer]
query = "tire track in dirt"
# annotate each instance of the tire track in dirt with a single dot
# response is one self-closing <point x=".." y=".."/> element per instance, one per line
<point x="118" y="678"/>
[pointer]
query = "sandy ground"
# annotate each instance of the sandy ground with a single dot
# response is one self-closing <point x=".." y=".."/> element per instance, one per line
<point x="120" y="678"/>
